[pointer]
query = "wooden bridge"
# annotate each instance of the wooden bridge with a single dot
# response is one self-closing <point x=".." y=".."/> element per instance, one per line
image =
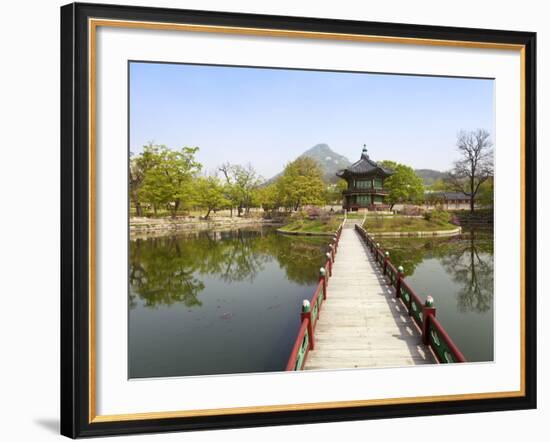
<point x="364" y="314"/>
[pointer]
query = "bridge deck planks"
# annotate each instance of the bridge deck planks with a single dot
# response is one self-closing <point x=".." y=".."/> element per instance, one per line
<point x="362" y="324"/>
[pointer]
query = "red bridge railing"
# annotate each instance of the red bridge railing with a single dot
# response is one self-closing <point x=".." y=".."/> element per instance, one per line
<point x="311" y="310"/>
<point x="422" y="313"/>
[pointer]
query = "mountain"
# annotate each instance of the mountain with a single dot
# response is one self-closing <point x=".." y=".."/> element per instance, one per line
<point x="329" y="161"/>
<point x="429" y="175"/>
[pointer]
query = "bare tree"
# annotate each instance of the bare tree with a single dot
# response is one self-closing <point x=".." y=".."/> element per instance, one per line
<point x="475" y="165"/>
<point x="225" y="169"/>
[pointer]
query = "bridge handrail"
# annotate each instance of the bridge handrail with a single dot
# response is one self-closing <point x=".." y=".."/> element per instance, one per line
<point x="438" y="333"/>
<point x="311" y="309"/>
<point x="411" y="300"/>
<point x="423" y="313"/>
<point x="299" y="349"/>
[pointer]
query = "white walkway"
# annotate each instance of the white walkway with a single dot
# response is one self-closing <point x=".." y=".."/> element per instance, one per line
<point x="361" y="323"/>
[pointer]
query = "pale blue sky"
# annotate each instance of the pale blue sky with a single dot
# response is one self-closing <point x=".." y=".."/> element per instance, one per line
<point x="269" y="116"/>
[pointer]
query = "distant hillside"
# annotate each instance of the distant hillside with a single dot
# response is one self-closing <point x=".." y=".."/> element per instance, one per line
<point x="429" y="175"/>
<point x="329" y="161"/>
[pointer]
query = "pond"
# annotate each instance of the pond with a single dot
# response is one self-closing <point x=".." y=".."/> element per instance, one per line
<point x="458" y="273"/>
<point x="218" y="302"/>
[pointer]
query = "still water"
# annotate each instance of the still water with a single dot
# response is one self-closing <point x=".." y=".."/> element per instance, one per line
<point x="218" y="302"/>
<point x="458" y="273"/>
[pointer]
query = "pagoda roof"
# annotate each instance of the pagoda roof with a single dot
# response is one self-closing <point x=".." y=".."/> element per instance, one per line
<point x="365" y="166"/>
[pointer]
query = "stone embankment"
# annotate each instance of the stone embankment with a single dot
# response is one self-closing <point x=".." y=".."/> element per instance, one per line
<point x="141" y="226"/>
<point x="451" y="232"/>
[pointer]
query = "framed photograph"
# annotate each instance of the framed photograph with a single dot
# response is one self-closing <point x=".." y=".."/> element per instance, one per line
<point x="273" y="220"/>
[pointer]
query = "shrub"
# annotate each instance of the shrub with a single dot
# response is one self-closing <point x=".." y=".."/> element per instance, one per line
<point x="408" y="210"/>
<point x="440" y="216"/>
<point x="313" y="212"/>
<point x="325" y="217"/>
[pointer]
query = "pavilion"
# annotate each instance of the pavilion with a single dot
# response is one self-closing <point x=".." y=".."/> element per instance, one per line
<point x="365" y="188"/>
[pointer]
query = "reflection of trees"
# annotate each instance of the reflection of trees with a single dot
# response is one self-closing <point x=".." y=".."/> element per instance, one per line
<point x="468" y="259"/>
<point x="167" y="270"/>
<point x="161" y="274"/>
<point x="232" y="256"/>
<point x="300" y="257"/>
<point x="408" y="253"/>
<point x="471" y="266"/>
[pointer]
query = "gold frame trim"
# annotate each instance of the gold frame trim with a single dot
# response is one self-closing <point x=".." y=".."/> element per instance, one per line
<point x="93" y="24"/>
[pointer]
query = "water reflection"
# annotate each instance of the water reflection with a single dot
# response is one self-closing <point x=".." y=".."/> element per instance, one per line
<point x="458" y="273"/>
<point x="468" y="260"/>
<point x="217" y="302"/>
<point x="470" y="265"/>
<point x="166" y="270"/>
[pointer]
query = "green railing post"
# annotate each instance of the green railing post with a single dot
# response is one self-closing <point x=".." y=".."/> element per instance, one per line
<point x="400" y="275"/>
<point x="386" y="258"/>
<point x="306" y="314"/>
<point x="427" y="310"/>
<point x="323" y="278"/>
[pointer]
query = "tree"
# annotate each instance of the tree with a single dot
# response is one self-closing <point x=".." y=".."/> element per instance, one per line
<point x="301" y="184"/>
<point x="140" y="165"/>
<point x="404" y="185"/>
<point x="475" y="166"/>
<point x="485" y="196"/>
<point x="209" y="193"/>
<point x="439" y="185"/>
<point x="241" y="182"/>
<point x="246" y="180"/>
<point x="268" y="197"/>
<point x="226" y="170"/>
<point x="169" y="181"/>
<point x="334" y="191"/>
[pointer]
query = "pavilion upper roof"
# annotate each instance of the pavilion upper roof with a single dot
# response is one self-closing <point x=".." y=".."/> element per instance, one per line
<point x="365" y="166"/>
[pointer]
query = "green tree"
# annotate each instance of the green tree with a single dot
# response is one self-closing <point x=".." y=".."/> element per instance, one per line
<point x="404" y="185"/>
<point x="246" y="180"/>
<point x="209" y="194"/>
<point x="485" y="196"/>
<point x="229" y="188"/>
<point x="475" y="165"/>
<point x="268" y="197"/>
<point x="169" y="181"/>
<point x="439" y="185"/>
<point x="241" y="183"/>
<point x="140" y="165"/>
<point x="302" y="184"/>
<point x="334" y="191"/>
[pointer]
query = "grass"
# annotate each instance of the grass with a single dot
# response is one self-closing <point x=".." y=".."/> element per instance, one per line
<point x="355" y="215"/>
<point x="405" y="224"/>
<point x="313" y="226"/>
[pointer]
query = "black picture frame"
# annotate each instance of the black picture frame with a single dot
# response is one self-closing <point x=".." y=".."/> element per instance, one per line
<point x="75" y="220"/>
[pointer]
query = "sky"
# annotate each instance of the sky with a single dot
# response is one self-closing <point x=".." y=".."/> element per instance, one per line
<point x="267" y="117"/>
